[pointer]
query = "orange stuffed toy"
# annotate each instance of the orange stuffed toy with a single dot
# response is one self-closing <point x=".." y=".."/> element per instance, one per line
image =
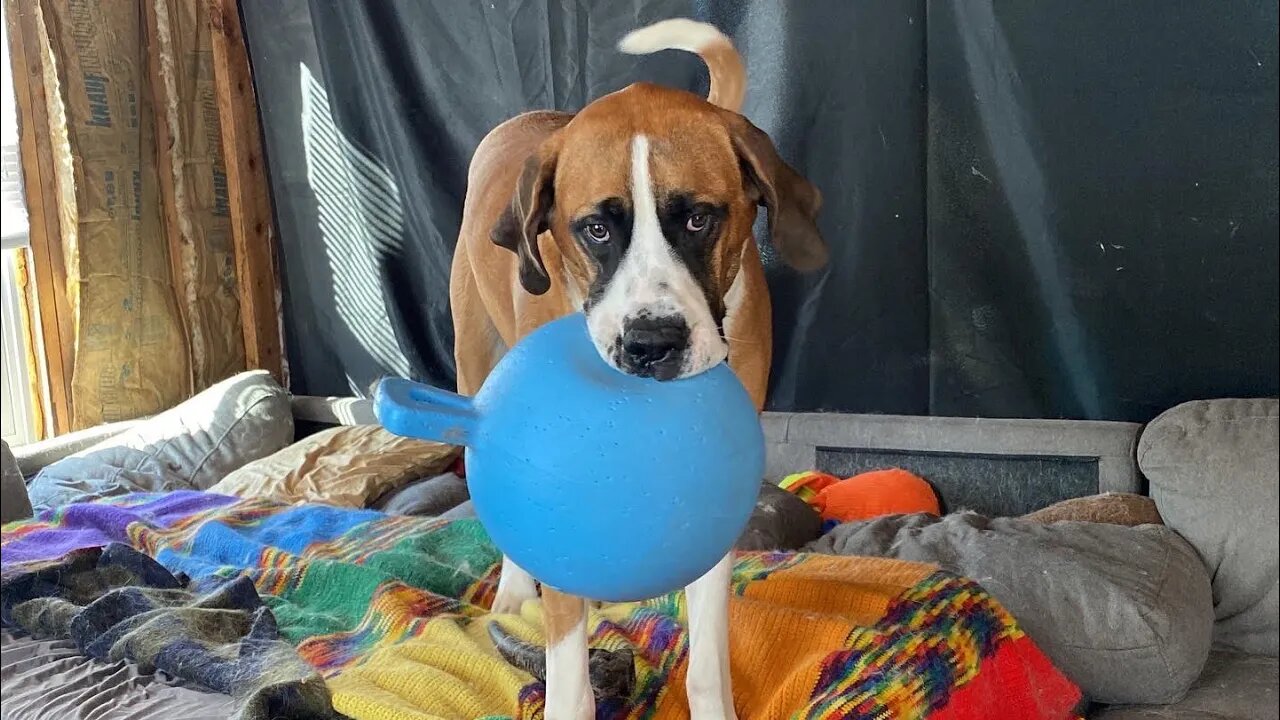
<point x="866" y="495"/>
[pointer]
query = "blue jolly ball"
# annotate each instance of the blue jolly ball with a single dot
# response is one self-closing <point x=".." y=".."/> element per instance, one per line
<point x="599" y="483"/>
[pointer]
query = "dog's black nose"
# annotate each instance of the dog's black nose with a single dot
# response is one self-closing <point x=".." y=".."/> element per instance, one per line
<point x="654" y="347"/>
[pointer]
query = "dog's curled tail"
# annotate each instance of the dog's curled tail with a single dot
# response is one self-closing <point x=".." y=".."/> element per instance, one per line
<point x="728" y="74"/>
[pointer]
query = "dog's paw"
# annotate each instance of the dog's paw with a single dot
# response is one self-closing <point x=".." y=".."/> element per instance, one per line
<point x="558" y="708"/>
<point x="711" y="703"/>
<point x="711" y="712"/>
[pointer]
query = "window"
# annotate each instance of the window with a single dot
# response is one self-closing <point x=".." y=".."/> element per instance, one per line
<point x="13" y="211"/>
<point x="17" y="404"/>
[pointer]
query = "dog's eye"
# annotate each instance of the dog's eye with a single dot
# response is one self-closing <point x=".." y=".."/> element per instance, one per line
<point x="697" y="222"/>
<point x="598" y="233"/>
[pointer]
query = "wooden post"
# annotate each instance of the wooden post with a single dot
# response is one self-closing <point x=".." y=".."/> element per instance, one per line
<point x="57" y="327"/>
<point x="249" y="194"/>
<point x="164" y="174"/>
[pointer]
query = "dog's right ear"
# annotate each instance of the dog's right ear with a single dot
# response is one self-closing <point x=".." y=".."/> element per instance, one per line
<point x="528" y="215"/>
<point x="792" y="201"/>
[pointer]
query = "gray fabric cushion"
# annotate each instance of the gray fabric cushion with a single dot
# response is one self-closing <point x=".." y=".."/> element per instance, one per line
<point x="1234" y="686"/>
<point x="462" y="511"/>
<point x="1213" y="467"/>
<point x="34" y="456"/>
<point x="427" y="497"/>
<point x="14" y="504"/>
<point x="1125" y="612"/>
<point x="780" y="521"/>
<point x="191" y="446"/>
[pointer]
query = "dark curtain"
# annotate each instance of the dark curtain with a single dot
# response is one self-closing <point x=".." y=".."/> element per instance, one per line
<point x="1034" y="210"/>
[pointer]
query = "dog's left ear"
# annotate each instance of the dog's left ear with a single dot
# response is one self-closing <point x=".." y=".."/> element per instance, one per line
<point x="527" y="216"/>
<point x="792" y="201"/>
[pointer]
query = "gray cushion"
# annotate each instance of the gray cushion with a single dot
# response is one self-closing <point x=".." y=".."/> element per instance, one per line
<point x="1213" y="467"/>
<point x="1234" y="686"/>
<point x="191" y="446"/>
<point x="1125" y="612"/>
<point x="427" y="497"/>
<point x="35" y="455"/>
<point x="462" y="511"/>
<point x="14" y="504"/>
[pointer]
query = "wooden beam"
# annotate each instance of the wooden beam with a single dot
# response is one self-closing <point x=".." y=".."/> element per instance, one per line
<point x="165" y="139"/>
<point x="57" y="327"/>
<point x="252" y="228"/>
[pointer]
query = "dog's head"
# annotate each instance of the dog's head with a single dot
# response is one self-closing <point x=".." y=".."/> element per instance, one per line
<point x="650" y="194"/>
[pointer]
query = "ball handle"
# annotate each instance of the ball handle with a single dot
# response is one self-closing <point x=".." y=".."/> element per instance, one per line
<point x="415" y="410"/>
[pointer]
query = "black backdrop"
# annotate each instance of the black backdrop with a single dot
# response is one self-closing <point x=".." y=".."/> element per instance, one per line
<point x="1035" y="209"/>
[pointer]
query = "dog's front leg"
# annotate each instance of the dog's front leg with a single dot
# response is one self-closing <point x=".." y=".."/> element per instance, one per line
<point x="708" y="685"/>
<point x="514" y="587"/>
<point x="569" y="695"/>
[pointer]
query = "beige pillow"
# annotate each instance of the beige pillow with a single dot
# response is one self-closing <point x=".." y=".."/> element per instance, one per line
<point x="347" y="466"/>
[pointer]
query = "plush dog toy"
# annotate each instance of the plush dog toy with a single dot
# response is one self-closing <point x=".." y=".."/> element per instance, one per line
<point x="866" y="495"/>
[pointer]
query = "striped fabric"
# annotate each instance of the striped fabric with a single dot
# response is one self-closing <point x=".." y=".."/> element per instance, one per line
<point x="392" y="612"/>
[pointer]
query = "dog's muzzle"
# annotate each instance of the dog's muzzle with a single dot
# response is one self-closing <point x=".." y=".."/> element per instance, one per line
<point x="654" y="347"/>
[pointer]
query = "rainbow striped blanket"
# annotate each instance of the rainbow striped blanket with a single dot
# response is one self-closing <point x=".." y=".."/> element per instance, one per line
<point x="390" y="613"/>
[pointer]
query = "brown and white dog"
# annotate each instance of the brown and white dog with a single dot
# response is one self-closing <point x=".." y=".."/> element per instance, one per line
<point x="638" y="211"/>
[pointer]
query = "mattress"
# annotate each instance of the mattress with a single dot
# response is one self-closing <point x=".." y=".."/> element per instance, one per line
<point x="50" y="680"/>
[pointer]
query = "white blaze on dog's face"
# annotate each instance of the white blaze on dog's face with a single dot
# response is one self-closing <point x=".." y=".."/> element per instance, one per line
<point x="647" y="313"/>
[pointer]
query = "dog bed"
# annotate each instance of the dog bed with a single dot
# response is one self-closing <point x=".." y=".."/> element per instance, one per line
<point x="390" y="611"/>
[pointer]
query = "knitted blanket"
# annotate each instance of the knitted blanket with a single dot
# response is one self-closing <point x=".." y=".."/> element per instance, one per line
<point x="260" y="600"/>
